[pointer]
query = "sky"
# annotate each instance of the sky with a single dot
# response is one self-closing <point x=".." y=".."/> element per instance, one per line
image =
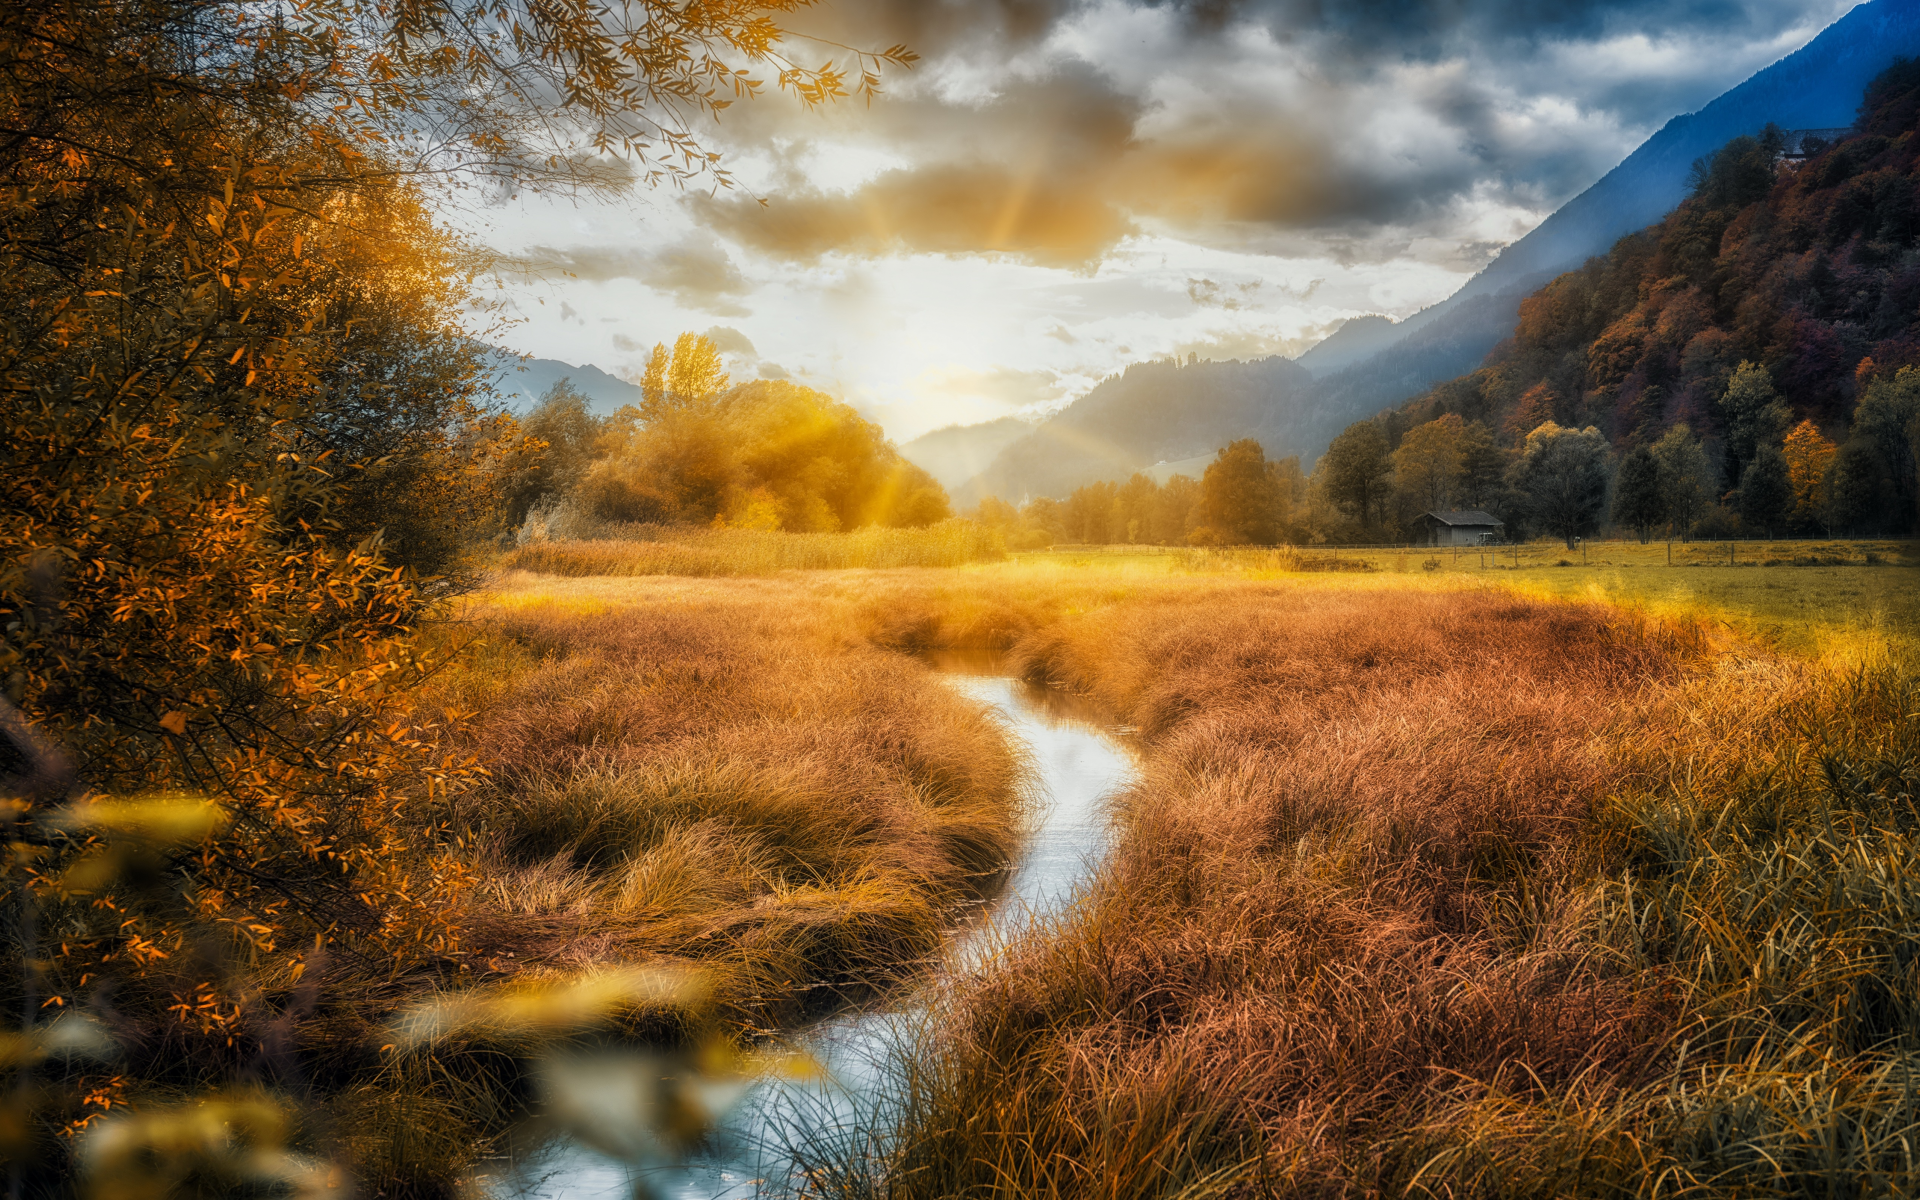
<point x="1061" y="187"/>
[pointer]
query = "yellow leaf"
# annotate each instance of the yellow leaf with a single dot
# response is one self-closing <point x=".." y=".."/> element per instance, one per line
<point x="174" y="723"/>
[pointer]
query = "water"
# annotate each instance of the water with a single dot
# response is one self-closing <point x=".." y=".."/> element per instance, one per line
<point x="1077" y="763"/>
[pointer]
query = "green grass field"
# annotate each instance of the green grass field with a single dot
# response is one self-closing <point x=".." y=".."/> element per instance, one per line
<point x="1808" y="598"/>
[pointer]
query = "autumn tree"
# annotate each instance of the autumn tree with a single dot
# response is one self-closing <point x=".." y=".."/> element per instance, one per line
<point x="1684" y="478"/>
<point x="239" y="402"/>
<point x="1809" y="458"/>
<point x="685" y="379"/>
<point x="1428" y="463"/>
<point x="1562" y="473"/>
<point x="1240" y="497"/>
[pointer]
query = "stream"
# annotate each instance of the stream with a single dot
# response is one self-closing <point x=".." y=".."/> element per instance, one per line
<point x="1076" y="762"/>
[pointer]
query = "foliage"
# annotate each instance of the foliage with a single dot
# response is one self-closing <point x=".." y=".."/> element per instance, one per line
<point x="1684" y="478"/>
<point x="1809" y="458"/>
<point x="1883" y="425"/>
<point x="685" y="379"/>
<point x="1240" y="496"/>
<point x="1429" y="461"/>
<point x="561" y="433"/>
<point x="242" y="417"/>
<point x="1755" y="416"/>
<point x="763" y="455"/>
<point x="1356" y="470"/>
<point x="1563" y="475"/>
<point x="1766" y="491"/>
<point x="1638" y="502"/>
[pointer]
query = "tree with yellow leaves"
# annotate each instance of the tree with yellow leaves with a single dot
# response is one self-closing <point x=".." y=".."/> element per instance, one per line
<point x="685" y="379"/>
<point x="1809" y="458"/>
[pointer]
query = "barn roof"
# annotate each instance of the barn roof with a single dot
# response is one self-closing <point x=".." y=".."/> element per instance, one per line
<point x="1464" y="516"/>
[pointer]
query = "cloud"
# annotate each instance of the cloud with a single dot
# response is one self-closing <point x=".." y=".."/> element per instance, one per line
<point x="1208" y="293"/>
<point x="697" y="272"/>
<point x="1005" y="387"/>
<point x="1052" y="130"/>
<point x="729" y="340"/>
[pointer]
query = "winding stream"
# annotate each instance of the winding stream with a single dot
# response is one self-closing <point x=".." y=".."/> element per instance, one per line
<point x="1077" y="762"/>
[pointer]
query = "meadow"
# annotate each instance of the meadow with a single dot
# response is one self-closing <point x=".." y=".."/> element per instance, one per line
<point x="1438" y="880"/>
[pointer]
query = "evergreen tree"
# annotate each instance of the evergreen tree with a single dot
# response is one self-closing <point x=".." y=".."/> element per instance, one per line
<point x="1766" y="491"/>
<point x="1638" y="502"/>
<point x="1882" y="422"/>
<point x="1861" y="492"/>
<point x="1481" y="466"/>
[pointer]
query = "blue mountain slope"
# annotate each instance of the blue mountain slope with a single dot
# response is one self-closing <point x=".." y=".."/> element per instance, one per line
<point x="1817" y="86"/>
<point x="521" y="384"/>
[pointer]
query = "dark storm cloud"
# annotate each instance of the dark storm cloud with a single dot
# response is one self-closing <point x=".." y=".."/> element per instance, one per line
<point x="1404" y="24"/>
<point x="1231" y="114"/>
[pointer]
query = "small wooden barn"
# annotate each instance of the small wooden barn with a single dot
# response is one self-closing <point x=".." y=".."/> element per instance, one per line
<point x="1456" y="527"/>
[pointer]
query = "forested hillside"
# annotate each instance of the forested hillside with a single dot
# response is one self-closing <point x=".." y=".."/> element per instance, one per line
<point x="1807" y="270"/>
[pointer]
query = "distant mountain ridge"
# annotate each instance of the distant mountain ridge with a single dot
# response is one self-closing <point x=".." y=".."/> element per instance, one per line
<point x="957" y="453"/>
<point x="1150" y="412"/>
<point x="1355" y="339"/>
<point x="521" y="384"/>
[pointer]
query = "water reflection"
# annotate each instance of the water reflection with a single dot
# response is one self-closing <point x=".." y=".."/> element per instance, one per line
<point x="1078" y="761"/>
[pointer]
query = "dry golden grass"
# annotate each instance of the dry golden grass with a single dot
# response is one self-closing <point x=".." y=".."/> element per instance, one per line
<point x="726" y="779"/>
<point x="1429" y="887"/>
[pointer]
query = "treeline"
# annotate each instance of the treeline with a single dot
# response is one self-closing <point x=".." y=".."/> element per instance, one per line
<point x="1379" y="476"/>
<point x="1242" y="498"/>
<point x="1773" y="316"/>
<point x="699" y="450"/>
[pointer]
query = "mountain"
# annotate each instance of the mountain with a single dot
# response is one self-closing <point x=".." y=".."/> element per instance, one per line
<point x="957" y="453"/>
<point x="1152" y="412"/>
<point x="521" y="383"/>
<point x="1809" y="270"/>
<point x="1816" y="87"/>
<point x="1355" y="339"/>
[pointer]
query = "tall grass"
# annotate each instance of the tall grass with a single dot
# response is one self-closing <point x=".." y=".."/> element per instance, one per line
<point x="661" y="550"/>
<point x="732" y="784"/>
<point x="1453" y="894"/>
<point x="1424" y="891"/>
